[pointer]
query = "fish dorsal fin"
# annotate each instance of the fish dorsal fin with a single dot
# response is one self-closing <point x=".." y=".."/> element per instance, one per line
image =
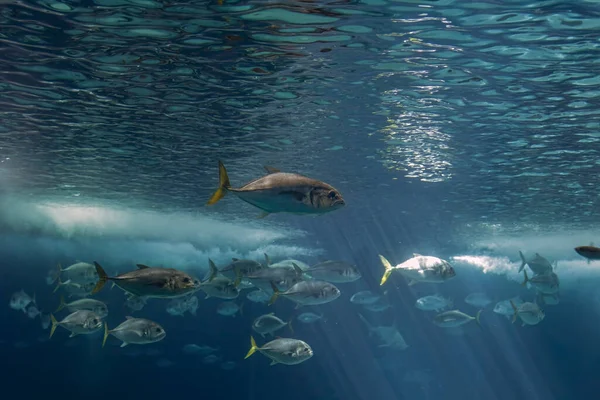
<point x="271" y="170"/>
<point x="235" y="259"/>
<point x="417" y="255"/>
<point x="128" y="317"/>
<point x="141" y="266"/>
<point x="297" y="269"/>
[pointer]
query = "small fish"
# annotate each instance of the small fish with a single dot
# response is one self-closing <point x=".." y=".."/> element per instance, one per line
<point x="538" y="264"/>
<point x="590" y="252"/>
<point x="283" y="351"/>
<point x="388" y="336"/>
<point x="221" y="288"/>
<point x="237" y="269"/>
<point x="135" y="331"/>
<point x="135" y="303"/>
<point x="20" y="300"/>
<point x="84" y="304"/>
<point x="32" y="311"/>
<point x="286" y="263"/>
<point x="420" y="269"/>
<point x="454" y="318"/>
<point x="229" y="309"/>
<point x="80" y="272"/>
<point x="150" y="282"/>
<point x="365" y="297"/>
<point x="210" y="359"/>
<point x="335" y="272"/>
<point x="269" y="323"/>
<point x="545" y="283"/>
<point x="228" y="365"/>
<point x="192" y="303"/>
<point x="81" y="322"/>
<point x="308" y="293"/>
<point x="194" y="349"/>
<point x="308" y="317"/>
<point x="530" y="313"/>
<point x="46" y="321"/>
<point x="282" y="192"/>
<point x="177" y="307"/>
<point x="504" y="307"/>
<point x="433" y="303"/>
<point x="480" y="300"/>
<point x="547" y="299"/>
<point x="258" y="296"/>
<point x="74" y="288"/>
<point x="283" y="278"/>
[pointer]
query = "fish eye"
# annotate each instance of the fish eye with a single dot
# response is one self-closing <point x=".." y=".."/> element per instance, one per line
<point x="332" y="194"/>
<point x="158" y="330"/>
<point x="186" y="280"/>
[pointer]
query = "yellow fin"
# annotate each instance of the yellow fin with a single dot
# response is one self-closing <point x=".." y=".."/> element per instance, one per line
<point x="275" y="293"/>
<point x="54" y="325"/>
<point x="388" y="269"/>
<point x="223" y="185"/>
<point x="106" y="333"/>
<point x="477" y="317"/>
<point x="516" y="311"/>
<point x="253" y="348"/>
<point x="526" y="278"/>
<point x="62" y="304"/>
<point x="102" y="278"/>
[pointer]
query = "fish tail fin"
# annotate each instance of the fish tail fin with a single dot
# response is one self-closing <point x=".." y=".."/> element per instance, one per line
<point x="54" y="325"/>
<point x="213" y="271"/>
<point x="238" y="278"/>
<point x="224" y="185"/>
<point x="275" y="293"/>
<point x="106" y="333"/>
<point x="62" y="304"/>
<point x="267" y="260"/>
<point x="58" y="285"/>
<point x="253" y="348"/>
<point x="523" y="261"/>
<point x="515" y="311"/>
<point x="526" y="278"/>
<point x="477" y="317"/>
<point x="102" y="278"/>
<point x="388" y="269"/>
<point x="290" y="326"/>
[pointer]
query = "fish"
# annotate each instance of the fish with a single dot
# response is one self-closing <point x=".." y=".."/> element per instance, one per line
<point x="135" y="303"/>
<point x="229" y="309"/>
<point x="308" y="317"/>
<point x="75" y="289"/>
<point x="547" y="299"/>
<point x="545" y="283"/>
<point x="334" y="271"/>
<point x="590" y="252"/>
<point x="194" y="349"/>
<point x="283" y="278"/>
<point x="135" y="331"/>
<point x="258" y="296"/>
<point x="365" y="297"/>
<point x="80" y="322"/>
<point x="286" y="263"/>
<point x="538" y="264"/>
<point x="282" y="192"/>
<point x="433" y="303"/>
<point x="20" y="300"/>
<point x="308" y="293"/>
<point x="267" y="324"/>
<point x="149" y="282"/>
<point x="388" y="336"/>
<point x="221" y="288"/>
<point x="237" y="269"/>
<point x="480" y="300"/>
<point x="530" y="313"/>
<point x="32" y="311"/>
<point x="504" y="307"/>
<point x="80" y="272"/>
<point x="282" y="351"/>
<point x="454" y="318"/>
<point x="84" y="304"/>
<point x="420" y="269"/>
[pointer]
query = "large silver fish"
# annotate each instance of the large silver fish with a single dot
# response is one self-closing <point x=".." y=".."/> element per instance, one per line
<point x="308" y="293"/>
<point x="135" y="331"/>
<point x="81" y="322"/>
<point x="150" y="282"/>
<point x="282" y="192"/>
<point x="283" y="351"/>
<point x="283" y="278"/>
<point x="420" y="269"/>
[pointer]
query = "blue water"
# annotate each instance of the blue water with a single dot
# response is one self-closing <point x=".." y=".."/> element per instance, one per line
<point x="462" y="130"/>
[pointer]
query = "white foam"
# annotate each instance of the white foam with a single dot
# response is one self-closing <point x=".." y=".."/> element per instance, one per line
<point x="121" y="235"/>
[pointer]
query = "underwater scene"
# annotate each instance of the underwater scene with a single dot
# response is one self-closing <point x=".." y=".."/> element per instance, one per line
<point x="304" y="199"/>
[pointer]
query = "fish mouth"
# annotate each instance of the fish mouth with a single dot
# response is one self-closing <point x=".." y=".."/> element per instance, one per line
<point x="339" y="202"/>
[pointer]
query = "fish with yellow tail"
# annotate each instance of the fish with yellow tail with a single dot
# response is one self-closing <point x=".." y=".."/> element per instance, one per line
<point x="149" y="282"/>
<point x="283" y="351"/>
<point x="279" y="192"/>
<point x="135" y="331"/>
<point x="455" y="318"/>
<point x="81" y="322"/>
<point x="419" y="268"/>
<point x="530" y="313"/>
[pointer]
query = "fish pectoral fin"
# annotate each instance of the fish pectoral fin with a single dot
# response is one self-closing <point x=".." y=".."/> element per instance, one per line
<point x="263" y="215"/>
<point x="412" y="282"/>
<point x="271" y="170"/>
<point x="273" y="362"/>
<point x="124" y="344"/>
<point x="73" y="334"/>
<point x="141" y="266"/>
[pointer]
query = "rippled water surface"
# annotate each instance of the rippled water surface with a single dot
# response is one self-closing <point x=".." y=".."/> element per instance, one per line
<point x="491" y="106"/>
